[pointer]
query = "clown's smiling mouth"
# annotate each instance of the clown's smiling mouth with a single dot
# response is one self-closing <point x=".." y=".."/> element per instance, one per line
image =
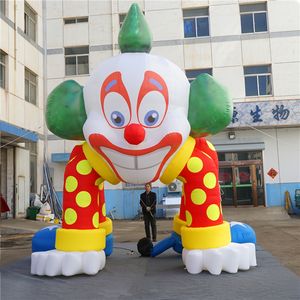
<point x="141" y="162"/>
<point x="129" y="160"/>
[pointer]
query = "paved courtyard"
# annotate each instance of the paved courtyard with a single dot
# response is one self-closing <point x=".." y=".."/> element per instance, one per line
<point x="129" y="276"/>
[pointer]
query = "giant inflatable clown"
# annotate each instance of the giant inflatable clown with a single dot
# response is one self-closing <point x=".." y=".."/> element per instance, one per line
<point x="141" y="121"/>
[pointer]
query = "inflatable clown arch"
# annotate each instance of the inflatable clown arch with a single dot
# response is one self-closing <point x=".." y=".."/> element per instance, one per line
<point x="140" y="120"/>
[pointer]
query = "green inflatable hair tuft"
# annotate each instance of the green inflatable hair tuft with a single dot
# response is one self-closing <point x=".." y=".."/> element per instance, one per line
<point x="65" y="112"/>
<point x="135" y="35"/>
<point x="210" y="106"/>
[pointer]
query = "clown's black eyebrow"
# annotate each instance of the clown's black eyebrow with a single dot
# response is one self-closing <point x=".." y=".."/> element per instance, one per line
<point x="156" y="83"/>
<point x="110" y="85"/>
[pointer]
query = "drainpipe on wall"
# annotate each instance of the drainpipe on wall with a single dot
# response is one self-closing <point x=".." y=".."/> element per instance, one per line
<point x="45" y="92"/>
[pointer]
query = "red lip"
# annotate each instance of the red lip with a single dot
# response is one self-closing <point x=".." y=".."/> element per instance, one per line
<point x="172" y="139"/>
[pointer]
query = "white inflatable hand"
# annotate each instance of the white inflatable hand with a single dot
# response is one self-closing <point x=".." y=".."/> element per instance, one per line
<point x="54" y="263"/>
<point x="230" y="258"/>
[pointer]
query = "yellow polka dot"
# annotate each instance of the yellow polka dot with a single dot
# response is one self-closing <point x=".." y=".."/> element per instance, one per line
<point x="83" y="199"/>
<point x="213" y="212"/>
<point x="101" y="186"/>
<point x="198" y="196"/>
<point x="96" y="220"/>
<point x="189" y="218"/>
<point x="210" y="146"/>
<point x="70" y="216"/>
<point x="210" y="180"/>
<point x="84" y="167"/>
<point x="98" y="181"/>
<point x="104" y="210"/>
<point x="195" y="164"/>
<point x="71" y="184"/>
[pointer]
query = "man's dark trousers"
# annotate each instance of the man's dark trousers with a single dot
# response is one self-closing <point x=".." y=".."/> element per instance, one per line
<point x="148" y="219"/>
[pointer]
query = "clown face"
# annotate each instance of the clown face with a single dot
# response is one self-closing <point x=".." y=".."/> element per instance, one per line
<point x="136" y="106"/>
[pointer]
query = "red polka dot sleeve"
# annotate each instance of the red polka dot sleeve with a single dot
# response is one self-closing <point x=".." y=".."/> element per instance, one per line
<point x="201" y="205"/>
<point x="83" y="196"/>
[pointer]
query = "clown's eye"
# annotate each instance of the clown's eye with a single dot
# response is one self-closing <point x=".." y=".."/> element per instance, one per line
<point x="116" y="110"/>
<point x="151" y="117"/>
<point x="152" y="109"/>
<point x="117" y="118"/>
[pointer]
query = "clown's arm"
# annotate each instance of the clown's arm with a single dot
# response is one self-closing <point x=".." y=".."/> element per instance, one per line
<point x="205" y="236"/>
<point x="80" y="243"/>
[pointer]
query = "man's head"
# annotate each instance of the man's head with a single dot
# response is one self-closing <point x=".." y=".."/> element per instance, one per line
<point x="148" y="187"/>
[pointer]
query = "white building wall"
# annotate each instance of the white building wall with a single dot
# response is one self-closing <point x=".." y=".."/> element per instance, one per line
<point x="14" y="110"/>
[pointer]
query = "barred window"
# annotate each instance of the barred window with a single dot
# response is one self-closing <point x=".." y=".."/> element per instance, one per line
<point x="258" y="80"/>
<point x="76" y="20"/>
<point x="192" y="74"/>
<point x="30" y="22"/>
<point x="77" y="60"/>
<point x="254" y="18"/>
<point x="30" y="86"/>
<point x="3" y="62"/>
<point x="196" y="22"/>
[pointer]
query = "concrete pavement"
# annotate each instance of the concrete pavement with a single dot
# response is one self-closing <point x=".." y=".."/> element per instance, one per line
<point x="276" y="232"/>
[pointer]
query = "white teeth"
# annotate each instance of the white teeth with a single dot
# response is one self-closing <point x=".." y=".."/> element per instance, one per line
<point x="123" y="161"/>
<point x="151" y="159"/>
<point x="132" y="168"/>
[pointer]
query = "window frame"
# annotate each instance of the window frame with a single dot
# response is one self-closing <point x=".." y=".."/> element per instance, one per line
<point x="27" y="18"/>
<point x="257" y="75"/>
<point x="122" y="15"/>
<point x="76" y="20"/>
<point x="4" y="69"/>
<point x="76" y="60"/>
<point x="252" y="13"/>
<point x="201" y="71"/>
<point x="195" y="18"/>
<point x="3" y="7"/>
<point x="30" y="84"/>
<point x="33" y="155"/>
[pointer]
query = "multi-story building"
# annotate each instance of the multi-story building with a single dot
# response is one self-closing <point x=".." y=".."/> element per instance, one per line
<point x="252" y="47"/>
<point x="21" y="102"/>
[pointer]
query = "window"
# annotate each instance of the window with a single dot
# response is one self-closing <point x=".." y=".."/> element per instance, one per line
<point x="254" y="18"/>
<point x="3" y="56"/>
<point x="258" y="80"/>
<point x="77" y="60"/>
<point x="30" y="22"/>
<point x="122" y="19"/>
<point x="195" y="22"/>
<point x="32" y="147"/>
<point x="3" y="7"/>
<point x="30" y="86"/>
<point x="76" y="20"/>
<point x="192" y="74"/>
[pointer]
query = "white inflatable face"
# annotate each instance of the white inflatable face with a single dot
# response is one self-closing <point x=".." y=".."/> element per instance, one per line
<point x="136" y="106"/>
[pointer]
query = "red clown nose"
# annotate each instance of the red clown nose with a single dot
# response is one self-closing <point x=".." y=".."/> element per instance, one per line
<point x="134" y="134"/>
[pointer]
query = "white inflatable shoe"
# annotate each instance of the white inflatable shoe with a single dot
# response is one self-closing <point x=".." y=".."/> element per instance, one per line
<point x="54" y="263"/>
<point x="230" y="258"/>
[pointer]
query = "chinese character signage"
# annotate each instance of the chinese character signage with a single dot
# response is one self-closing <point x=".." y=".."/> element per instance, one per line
<point x="266" y="113"/>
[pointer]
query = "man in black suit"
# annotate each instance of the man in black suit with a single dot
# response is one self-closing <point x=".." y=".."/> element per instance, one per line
<point x="148" y="204"/>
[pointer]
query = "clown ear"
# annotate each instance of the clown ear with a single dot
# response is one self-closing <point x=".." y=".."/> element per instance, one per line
<point x="210" y="106"/>
<point x="65" y="112"/>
